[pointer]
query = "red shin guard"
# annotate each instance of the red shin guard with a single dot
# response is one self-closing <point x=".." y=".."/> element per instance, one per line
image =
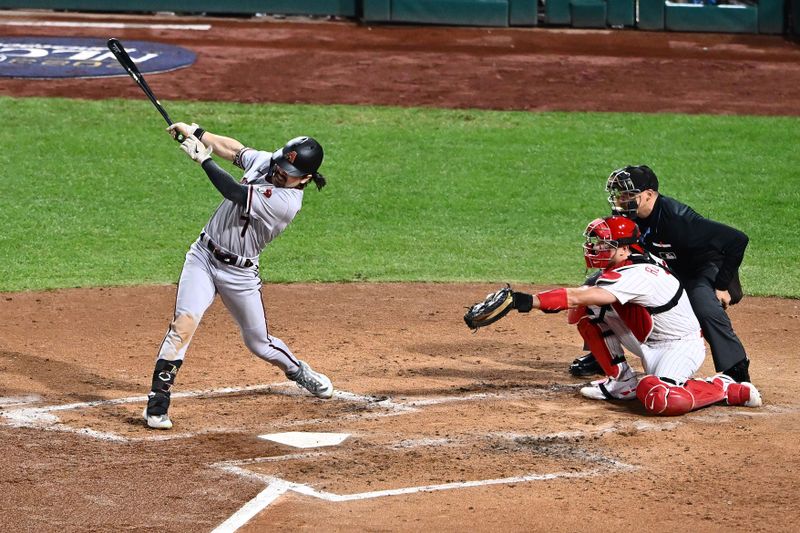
<point x="593" y="336"/>
<point x="737" y="394"/>
<point x="662" y="398"/>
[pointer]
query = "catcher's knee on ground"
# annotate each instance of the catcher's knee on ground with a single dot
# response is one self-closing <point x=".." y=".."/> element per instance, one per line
<point x="662" y="398"/>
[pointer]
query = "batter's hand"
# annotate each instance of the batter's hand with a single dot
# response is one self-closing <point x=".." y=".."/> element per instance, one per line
<point x="196" y="149"/>
<point x="724" y="298"/>
<point x="181" y="128"/>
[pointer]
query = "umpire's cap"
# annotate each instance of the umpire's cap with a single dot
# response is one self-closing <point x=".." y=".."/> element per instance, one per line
<point x="643" y="178"/>
<point x="301" y="156"/>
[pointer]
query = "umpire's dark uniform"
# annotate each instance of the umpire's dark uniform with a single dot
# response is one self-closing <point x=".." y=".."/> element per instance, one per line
<point x="705" y="256"/>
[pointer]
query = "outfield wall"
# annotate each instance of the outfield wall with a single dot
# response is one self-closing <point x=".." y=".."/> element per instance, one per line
<point x="765" y="16"/>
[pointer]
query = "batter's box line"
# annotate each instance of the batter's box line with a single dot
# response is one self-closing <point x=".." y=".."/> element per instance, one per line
<point x="43" y="418"/>
<point x="277" y="487"/>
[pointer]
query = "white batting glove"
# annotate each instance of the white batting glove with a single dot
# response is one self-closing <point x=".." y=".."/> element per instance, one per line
<point x="181" y="128"/>
<point x="195" y="149"/>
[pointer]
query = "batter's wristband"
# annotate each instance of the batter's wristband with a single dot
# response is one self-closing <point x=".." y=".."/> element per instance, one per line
<point x="199" y="133"/>
<point x="553" y="300"/>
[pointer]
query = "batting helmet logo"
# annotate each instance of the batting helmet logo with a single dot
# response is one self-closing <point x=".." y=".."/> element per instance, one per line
<point x="301" y="156"/>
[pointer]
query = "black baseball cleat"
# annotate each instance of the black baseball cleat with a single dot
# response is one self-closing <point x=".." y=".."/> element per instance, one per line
<point x="585" y="365"/>
<point x="739" y="371"/>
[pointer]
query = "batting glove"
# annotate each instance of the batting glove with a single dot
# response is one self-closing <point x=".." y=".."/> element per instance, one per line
<point x="195" y="149"/>
<point x="181" y="129"/>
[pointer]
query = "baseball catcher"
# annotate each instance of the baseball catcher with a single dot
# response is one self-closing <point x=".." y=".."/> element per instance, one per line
<point x="638" y="305"/>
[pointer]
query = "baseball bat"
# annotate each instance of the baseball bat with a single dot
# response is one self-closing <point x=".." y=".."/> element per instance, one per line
<point x="130" y="67"/>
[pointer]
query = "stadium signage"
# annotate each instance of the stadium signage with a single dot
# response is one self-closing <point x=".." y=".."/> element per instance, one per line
<point x="69" y="57"/>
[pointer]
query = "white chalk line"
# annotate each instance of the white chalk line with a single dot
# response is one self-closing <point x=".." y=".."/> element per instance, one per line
<point x="111" y="25"/>
<point x="277" y="486"/>
<point x="251" y="508"/>
<point x="42" y="417"/>
<point x="10" y="401"/>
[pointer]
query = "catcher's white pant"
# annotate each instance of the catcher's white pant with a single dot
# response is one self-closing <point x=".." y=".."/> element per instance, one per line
<point x="677" y="359"/>
<point x="204" y="276"/>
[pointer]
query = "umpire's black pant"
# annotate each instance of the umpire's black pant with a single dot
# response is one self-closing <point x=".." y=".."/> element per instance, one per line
<point x="726" y="348"/>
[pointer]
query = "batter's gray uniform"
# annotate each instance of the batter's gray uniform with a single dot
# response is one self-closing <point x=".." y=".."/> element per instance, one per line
<point x="224" y="259"/>
<point x="243" y="232"/>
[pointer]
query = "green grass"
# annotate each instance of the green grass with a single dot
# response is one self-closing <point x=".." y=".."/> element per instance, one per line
<point x="95" y="193"/>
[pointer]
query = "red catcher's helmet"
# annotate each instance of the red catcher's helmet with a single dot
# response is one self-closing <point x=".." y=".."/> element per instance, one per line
<point x="604" y="236"/>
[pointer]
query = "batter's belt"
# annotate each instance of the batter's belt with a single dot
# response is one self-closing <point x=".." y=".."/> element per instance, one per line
<point x="223" y="255"/>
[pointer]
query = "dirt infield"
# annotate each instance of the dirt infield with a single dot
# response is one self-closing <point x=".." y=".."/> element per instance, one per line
<point x="426" y="404"/>
<point x="449" y="431"/>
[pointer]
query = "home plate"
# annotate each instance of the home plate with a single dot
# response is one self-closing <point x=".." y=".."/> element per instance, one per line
<point x="303" y="439"/>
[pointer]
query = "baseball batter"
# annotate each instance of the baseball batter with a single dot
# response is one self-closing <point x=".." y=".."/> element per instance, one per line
<point x="224" y="259"/>
<point x="639" y="305"/>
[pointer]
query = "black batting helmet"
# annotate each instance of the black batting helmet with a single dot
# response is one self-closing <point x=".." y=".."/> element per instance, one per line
<point x="302" y="156"/>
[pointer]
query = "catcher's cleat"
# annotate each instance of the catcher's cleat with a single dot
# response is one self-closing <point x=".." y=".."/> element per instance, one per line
<point x="314" y="382"/>
<point x="612" y="389"/>
<point x="585" y="365"/>
<point x="745" y="394"/>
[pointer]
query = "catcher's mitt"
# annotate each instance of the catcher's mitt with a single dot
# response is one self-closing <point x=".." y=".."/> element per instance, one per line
<point x="493" y="308"/>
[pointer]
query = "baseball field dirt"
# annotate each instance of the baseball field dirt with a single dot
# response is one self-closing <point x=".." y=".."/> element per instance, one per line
<point x="448" y="430"/>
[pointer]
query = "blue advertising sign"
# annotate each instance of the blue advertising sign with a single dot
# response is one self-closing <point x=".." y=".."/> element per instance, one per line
<point x="75" y="57"/>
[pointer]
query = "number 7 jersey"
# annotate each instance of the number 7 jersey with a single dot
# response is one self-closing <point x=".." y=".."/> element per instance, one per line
<point x="246" y="230"/>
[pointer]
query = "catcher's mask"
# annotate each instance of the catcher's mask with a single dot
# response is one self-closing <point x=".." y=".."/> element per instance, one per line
<point x="604" y="236"/>
<point x="301" y="157"/>
<point x="624" y="186"/>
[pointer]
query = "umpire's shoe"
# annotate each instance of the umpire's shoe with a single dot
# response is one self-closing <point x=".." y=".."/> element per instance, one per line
<point x="584" y="366"/>
<point x="740" y="371"/>
<point x="155" y="414"/>
<point x="314" y="382"/>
